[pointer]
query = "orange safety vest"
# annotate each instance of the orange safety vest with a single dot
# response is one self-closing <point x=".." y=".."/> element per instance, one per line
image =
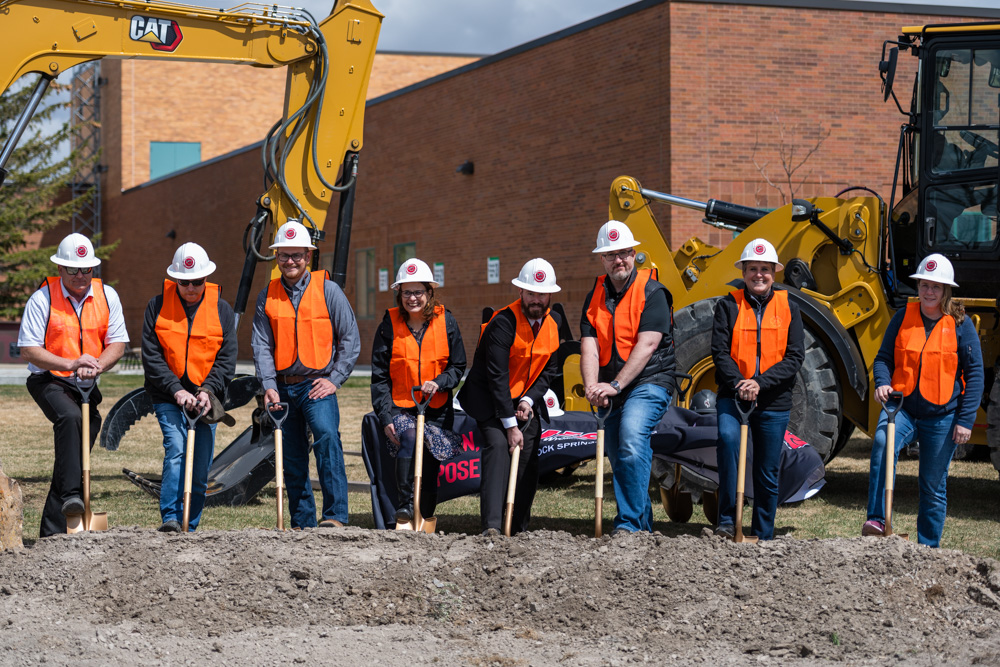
<point x="304" y="333"/>
<point x="528" y="353"/>
<point x="69" y="335"/>
<point x="621" y="329"/>
<point x="934" y="357"/>
<point x="773" y="339"/>
<point x="190" y="350"/>
<point x="412" y="363"/>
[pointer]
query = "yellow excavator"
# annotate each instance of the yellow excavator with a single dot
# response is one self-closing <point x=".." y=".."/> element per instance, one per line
<point x="848" y="257"/>
<point x="310" y="156"/>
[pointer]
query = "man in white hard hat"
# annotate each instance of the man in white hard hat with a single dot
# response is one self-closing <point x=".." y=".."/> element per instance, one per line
<point x="189" y="352"/>
<point x="72" y="326"/>
<point x="514" y="364"/>
<point x="305" y="344"/>
<point x="627" y="360"/>
<point x="758" y="345"/>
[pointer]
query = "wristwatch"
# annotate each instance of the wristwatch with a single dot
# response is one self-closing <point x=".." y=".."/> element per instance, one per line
<point x="614" y="385"/>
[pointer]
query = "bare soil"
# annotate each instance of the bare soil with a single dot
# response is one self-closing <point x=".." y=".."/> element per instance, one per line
<point x="355" y="597"/>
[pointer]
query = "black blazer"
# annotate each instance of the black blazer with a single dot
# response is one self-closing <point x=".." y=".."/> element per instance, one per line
<point x="486" y="392"/>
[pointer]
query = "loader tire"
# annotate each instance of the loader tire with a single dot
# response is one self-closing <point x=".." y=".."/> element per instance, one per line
<point x="816" y="398"/>
<point x="993" y="425"/>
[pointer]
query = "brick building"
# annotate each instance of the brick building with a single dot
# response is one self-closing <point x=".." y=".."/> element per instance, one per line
<point x="693" y="97"/>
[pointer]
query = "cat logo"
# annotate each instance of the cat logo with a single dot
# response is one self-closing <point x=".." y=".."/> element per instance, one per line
<point x="162" y="34"/>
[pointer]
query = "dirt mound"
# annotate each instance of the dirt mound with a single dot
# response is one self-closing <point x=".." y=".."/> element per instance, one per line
<point x="356" y="596"/>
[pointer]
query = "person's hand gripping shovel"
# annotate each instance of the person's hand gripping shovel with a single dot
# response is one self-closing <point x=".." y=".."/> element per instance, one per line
<point x="279" y="457"/>
<point x="601" y="414"/>
<point x="741" y="471"/>
<point x="192" y="422"/>
<point x="419" y="522"/>
<point x="76" y="523"/>
<point x="890" y="459"/>
<point x="515" y="460"/>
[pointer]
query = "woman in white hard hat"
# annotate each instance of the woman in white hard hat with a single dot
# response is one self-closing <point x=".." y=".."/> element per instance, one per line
<point x="758" y="345"/>
<point x="418" y="344"/>
<point x="188" y="356"/>
<point x="930" y="354"/>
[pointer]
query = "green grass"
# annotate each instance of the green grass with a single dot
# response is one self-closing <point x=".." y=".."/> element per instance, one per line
<point x="568" y="504"/>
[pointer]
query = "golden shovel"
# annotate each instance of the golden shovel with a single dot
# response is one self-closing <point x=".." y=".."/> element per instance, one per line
<point x="515" y="459"/>
<point x="890" y="461"/>
<point x="77" y="523"/>
<point x="601" y="416"/>
<point x="738" y="535"/>
<point x="418" y="522"/>
<point x="192" y="423"/>
<point x="279" y="458"/>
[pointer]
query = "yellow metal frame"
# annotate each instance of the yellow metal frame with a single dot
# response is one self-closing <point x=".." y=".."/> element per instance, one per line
<point x="50" y="36"/>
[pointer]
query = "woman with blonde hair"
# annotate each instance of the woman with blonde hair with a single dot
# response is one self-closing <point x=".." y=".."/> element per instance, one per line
<point x="931" y="355"/>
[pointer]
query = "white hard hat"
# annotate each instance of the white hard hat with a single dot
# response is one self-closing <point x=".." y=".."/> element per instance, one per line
<point x="414" y="271"/>
<point x="75" y="251"/>
<point x="614" y="235"/>
<point x="936" y="268"/>
<point x="760" y="250"/>
<point x="538" y="276"/>
<point x="292" y="234"/>
<point x="552" y="403"/>
<point x="190" y="263"/>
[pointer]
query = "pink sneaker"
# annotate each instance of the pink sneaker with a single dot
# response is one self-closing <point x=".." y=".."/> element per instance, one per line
<point x="873" y="527"/>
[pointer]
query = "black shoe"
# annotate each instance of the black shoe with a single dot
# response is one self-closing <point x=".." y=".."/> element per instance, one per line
<point x="404" y="488"/>
<point x="725" y="530"/>
<point x="170" y="527"/>
<point x="73" y="507"/>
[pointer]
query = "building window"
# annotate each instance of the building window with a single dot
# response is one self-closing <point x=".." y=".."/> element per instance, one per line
<point x="366" y="284"/>
<point x="166" y="157"/>
<point x="400" y="253"/>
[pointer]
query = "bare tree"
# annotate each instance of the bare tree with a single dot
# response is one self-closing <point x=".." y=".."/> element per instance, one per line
<point x="791" y="161"/>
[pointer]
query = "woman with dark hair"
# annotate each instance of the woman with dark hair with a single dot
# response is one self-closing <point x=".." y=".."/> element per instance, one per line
<point x="418" y="344"/>
<point x="930" y="354"/>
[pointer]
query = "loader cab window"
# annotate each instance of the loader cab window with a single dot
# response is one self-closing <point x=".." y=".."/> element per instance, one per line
<point x="961" y="217"/>
<point x="966" y="110"/>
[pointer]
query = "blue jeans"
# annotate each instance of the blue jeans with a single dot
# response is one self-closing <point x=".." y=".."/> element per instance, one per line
<point x="767" y="433"/>
<point x="936" y="449"/>
<point x="174" y="427"/>
<point x="626" y="436"/>
<point x="323" y="418"/>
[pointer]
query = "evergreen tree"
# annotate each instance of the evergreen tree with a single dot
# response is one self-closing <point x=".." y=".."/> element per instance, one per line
<point x="36" y="194"/>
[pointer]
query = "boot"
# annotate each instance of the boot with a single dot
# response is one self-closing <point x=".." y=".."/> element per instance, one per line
<point x="404" y="489"/>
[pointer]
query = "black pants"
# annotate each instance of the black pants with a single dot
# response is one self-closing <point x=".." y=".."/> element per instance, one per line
<point x="61" y="404"/>
<point x="429" y="472"/>
<point x="495" y="472"/>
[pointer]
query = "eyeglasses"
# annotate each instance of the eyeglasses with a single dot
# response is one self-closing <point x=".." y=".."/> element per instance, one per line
<point x="621" y="254"/>
<point x="188" y="283"/>
<point x="294" y="257"/>
<point x="415" y="294"/>
<point x="72" y="270"/>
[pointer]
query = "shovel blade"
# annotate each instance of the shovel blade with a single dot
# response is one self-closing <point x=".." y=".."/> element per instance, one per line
<point x="74" y="523"/>
<point x="406" y="525"/>
<point x="740" y="538"/>
<point x="96" y="521"/>
<point x="677" y="504"/>
<point x="428" y="525"/>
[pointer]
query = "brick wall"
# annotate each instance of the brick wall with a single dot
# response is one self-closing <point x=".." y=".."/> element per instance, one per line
<point x="675" y="95"/>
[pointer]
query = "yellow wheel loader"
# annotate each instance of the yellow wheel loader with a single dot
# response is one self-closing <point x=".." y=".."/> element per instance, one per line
<point x="848" y="257"/>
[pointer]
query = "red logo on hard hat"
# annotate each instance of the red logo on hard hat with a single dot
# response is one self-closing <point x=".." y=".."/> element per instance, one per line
<point x="290" y="233"/>
<point x="931" y="265"/>
<point x="189" y="262"/>
<point x="539" y="276"/>
<point x="759" y="248"/>
<point x="411" y="269"/>
<point x="613" y="235"/>
<point x="551" y="402"/>
<point x="81" y="251"/>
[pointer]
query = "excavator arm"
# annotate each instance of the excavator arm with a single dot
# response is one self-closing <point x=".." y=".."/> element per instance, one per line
<point x="309" y="156"/>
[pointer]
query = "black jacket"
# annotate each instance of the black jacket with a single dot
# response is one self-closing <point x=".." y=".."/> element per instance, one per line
<point x="486" y="392"/>
<point x="382" y="403"/>
<point x="161" y="383"/>
<point x="777" y="381"/>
